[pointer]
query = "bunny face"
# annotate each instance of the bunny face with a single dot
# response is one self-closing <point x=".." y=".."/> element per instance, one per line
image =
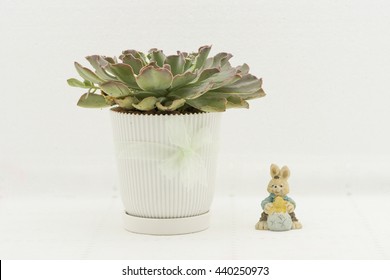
<point x="278" y="184"/>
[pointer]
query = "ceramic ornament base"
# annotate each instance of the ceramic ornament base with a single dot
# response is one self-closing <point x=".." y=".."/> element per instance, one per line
<point x="166" y="226"/>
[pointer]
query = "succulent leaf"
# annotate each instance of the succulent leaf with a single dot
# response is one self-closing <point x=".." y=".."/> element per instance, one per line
<point x="227" y="81"/>
<point x="157" y="56"/>
<point x="177" y="63"/>
<point x="115" y="89"/>
<point x="88" y="84"/>
<point x="92" y="100"/>
<point x="165" y="66"/>
<point x="209" y="63"/>
<point x="124" y="73"/>
<point x="247" y="84"/>
<point x="222" y="76"/>
<point x="76" y="83"/>
<point x="143" y="94"/>
<point x="216" y="62"/>
<point x="175" y="104"/>
<point x="188" y="64"/>
<point x="127" y="102"/>
<point x="257" y="94"/>
<point x="98" y="63"/>
<point x="111" y="60"/>
<point x="135" y="63"/>
<point x="183" y="79"/>
<point x="245" y="96"/>
<point x="154" y="79"/>
<point x="137" y="54"/>
<point x="147" y="104"/>
<point x="191" y="91"/>
<point x="209" y="104"/>
<point x="225" y="64"/>
<point x="207" y="73"/>
<point x="236" y="102"/>
<point x="202" y="56"/>
<point x="87" y="74"/>
<point x="243" y="69"/>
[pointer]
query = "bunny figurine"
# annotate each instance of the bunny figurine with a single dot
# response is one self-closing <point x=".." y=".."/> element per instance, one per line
<point x="278" y="209"/>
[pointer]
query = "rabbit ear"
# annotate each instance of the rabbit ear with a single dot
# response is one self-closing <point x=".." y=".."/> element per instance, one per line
<point x="274" y="170"/>
<point x="285" y="172"/>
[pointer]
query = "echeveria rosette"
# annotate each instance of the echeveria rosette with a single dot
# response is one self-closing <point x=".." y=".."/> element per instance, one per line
<point x="155" y="82"/>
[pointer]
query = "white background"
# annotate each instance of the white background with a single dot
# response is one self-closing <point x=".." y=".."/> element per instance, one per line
<point x="326" y="71"/>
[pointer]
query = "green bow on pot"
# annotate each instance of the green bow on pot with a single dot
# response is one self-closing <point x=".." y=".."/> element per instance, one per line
<point x="182" y="156"/>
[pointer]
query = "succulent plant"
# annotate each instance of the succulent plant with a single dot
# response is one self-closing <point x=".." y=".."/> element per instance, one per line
<point x="185" y="82"/>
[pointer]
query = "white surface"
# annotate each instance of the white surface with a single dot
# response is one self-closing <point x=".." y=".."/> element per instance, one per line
<point x="92" y="229"/>
<point x="325" y="66"/>
<point x="341" y="220"/>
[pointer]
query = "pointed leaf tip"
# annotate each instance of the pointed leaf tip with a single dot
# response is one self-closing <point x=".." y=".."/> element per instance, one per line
<point x="87" y="74"/>
<point x="92" y="100"/>
<point x="76" y="83"/>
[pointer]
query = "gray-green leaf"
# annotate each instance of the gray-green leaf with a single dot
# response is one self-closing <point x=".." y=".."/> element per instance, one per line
<point x="247" y="84"/>
<point x="127" y="102"/>
<point x="87" y="74"/>
<point x="124" y="73"/>
<point x="92" y="100"/>
<point x="135" y="63"/>
<point x="98" y="63"/>
<point x="154" y="79"/>
<point x="218" y="58"/>
<point x="175" y="104"/>
<point x="182" y="79"/>
<point x="202" y="56"/>
<point x="191" y="91"/>
<point x="236" y="102"/>
<point x="207" y="73"/>
<point x="147" y="104"/>
<point x="217" y="104"/>
<point x="76" y="83"/>
<point x="177" y="63"/>
<point x="243" y="69"/>
<point x="158" y="56"/>
<point x="115" y="89"/>
<point x="137" y="54"/>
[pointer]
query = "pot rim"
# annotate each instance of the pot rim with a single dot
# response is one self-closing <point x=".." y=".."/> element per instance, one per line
<point x="132" y="113"/>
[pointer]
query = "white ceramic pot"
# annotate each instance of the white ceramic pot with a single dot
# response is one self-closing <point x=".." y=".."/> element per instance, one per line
<point x="166" y="166"/>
